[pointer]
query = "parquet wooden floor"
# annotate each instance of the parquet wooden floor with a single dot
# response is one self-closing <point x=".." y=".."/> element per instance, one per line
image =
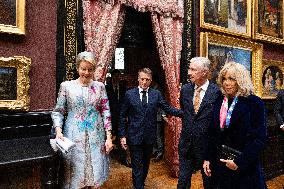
<point x="159" y="178"/>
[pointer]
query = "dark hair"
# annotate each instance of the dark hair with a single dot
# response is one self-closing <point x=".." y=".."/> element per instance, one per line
<point x="115" y="71"/>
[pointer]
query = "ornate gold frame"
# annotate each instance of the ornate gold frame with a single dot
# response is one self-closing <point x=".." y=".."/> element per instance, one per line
<point x="265" y="65"/>
<point x="19" y="28"/>
<point x="255" y="48"/>
<point x="22" y="64"/>
<point x="264" y="37"/>
<point x="222" y="29"/>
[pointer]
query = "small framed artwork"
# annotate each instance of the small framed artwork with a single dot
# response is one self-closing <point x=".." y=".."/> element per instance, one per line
<point x="12" y="16"/>
<point x="272" y="78"/>
<point x="268" y="20"/>
<point x="227" y="16"/>
<point x="14" y="83"/>
<point x="221" y="49"/>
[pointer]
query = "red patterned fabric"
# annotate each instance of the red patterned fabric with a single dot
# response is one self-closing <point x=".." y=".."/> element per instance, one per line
<point x="168" y="33"/>
<point x="102" y="24"/>
<point x="169" y="8"/>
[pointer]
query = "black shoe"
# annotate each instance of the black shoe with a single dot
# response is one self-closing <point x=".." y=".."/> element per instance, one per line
<point x="126" y="163"/>
<point x="158" y="157"/>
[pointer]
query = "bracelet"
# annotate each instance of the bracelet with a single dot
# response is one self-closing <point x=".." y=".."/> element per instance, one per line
<point x="281" y="126"/>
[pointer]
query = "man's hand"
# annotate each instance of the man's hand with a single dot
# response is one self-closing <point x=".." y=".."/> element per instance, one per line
<point x="230" y="164"/>
<point x="123" y="143"/>
<point x="206" y="168"/>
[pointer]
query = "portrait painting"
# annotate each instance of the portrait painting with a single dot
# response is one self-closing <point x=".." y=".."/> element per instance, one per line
<point x="220" y="54"/>
<point x="221" y="49"/>
<point x="12" y="16"/>
<point x="229" y="16"/>
<point x="270" y="14"/>
<point x="14" y="83"/>
<point x="8" y="12"/>
<point x="272" y="78"/>
<point x="8" y="83"/>
<point x="268" y="20"/>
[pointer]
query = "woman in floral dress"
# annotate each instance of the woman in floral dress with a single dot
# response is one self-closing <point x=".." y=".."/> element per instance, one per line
<point x="88" y="124"/>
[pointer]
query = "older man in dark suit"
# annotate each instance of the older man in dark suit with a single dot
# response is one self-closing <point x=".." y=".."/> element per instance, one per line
<point x="137" y="128"/>
<point x="279" y="109"/>
<point x="197" y="99"/>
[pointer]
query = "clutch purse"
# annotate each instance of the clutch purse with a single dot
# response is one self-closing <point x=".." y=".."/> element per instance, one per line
<point x="229" y="153"/>
<point x="63" y="146"/>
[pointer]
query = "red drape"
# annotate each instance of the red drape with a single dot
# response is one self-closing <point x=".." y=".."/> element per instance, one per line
<point x="168" y="33"/>
<point x="103" y="23"/>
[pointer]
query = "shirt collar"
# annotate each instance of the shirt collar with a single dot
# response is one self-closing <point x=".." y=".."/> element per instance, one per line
<point x="204" y="86"/>
<point x="140" y="89"/>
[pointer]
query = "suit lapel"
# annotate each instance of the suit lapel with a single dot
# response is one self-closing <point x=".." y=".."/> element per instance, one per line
<point x="137" y="96"/>
<point x="207" y="97"/>
<point x="188" y="96"/>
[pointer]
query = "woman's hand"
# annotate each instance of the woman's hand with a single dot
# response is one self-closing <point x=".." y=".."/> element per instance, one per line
<point x="108" y="145"/>
<point x="58" y="132"/>
<point x="230" y="164"/>
<point x="123" y="143"/>
<point x="206" y="168"/>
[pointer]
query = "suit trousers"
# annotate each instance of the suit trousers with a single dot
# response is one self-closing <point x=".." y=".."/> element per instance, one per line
<point x="140" y="161"/>
<point x="191" y="160"/>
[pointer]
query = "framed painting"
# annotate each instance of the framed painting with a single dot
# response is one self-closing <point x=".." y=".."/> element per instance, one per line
<point x="227" y="16"/>
<point x="14" y="83"/>
<point x="12" y="16"/>
<point x="268" y="20"/>
<point x="221" y="49"/>
<point x="272" y="78"/>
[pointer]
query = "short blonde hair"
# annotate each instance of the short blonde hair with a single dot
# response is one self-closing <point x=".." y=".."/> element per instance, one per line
<point x="85" y="56"/>
<point x="239" y="73"/>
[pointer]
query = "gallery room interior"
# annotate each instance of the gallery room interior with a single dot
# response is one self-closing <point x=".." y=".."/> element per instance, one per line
<point x="39" y="41"/>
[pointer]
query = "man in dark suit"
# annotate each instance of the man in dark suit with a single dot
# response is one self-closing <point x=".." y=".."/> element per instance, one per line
<point x="137" y="127"/>
<point x="279" y="109"/>
<point x="116" y="88"/>
<point x="197" y="99"/>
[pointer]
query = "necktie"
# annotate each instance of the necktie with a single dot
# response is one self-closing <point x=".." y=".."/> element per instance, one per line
<point x="144" y="98"/>
<point x="196" y="102"/>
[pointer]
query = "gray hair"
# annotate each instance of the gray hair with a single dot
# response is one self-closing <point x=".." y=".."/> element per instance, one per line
<point x="85" y="56"/>
<point x="203" y="61"/>
<point x="146" y="71"/>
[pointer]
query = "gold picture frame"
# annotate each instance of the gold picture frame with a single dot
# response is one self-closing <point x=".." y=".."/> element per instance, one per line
<point x="220" y="49"/>
<point x="12" y="17"/>
<point x="232" y="17"/>
<point x="14" y="83"/>
<point x="272" y="78"/>
<point x="268" y="21"/>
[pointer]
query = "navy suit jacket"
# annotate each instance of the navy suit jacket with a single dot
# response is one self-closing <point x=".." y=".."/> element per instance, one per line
<point x="196" y="124"/>
<point x="137" y="123"/>
<point x="246" y="133"/>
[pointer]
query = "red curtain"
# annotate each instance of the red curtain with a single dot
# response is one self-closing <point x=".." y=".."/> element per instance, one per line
<point x="103" y="23"/>
<point x="168" y="33"/>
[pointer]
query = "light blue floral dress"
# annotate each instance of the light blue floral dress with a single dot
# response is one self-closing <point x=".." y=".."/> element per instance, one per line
<point x="88" y="118"/>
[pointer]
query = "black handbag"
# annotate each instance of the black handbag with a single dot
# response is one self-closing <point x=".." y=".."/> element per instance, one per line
<point x="229" y="153"/>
